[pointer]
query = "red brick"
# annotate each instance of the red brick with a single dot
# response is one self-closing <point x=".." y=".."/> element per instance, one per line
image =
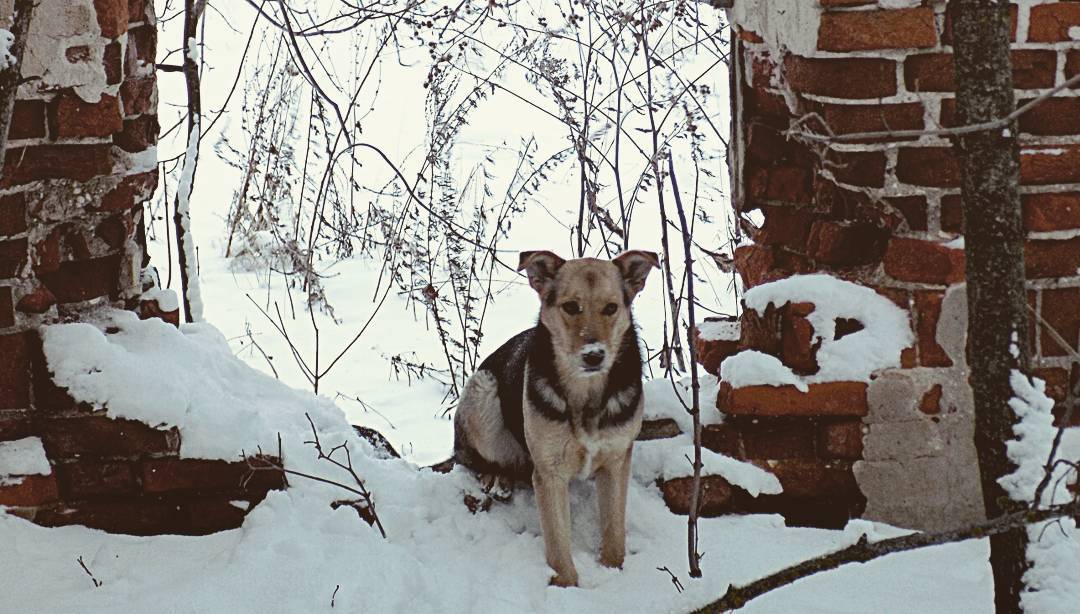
<point x="139" y="96"/>
<point x="758" y="264"/>
<point x="826" y="399"/>
<point x="841" y="77"/>
<point x="173" y="474"/>
<point x="14" y="372"/>
<point x="787" y="183"/>
<point x="931" y="401"/>
<point x="660" y="428"/>
<point x="835" y="3"/>
<point x="14" y="424"/>
<point x="1050" y="23"/>
<point x="114" y="230"/>
<point x="841" y="439"/>
<point x="12" y="257"/>
<point x="141" y="50"/>
<point x="928" y="307"/>
<point x="923" y="261"/>
<point x="35" y="163"/>
<point x="113" y="62"/>
<point x="72" y="117"/>
<point x="711" y="352"/>
<point x="29" y="491"/>
<point x="723" y="439"/>
<point x="48" y="397"/>
<point x="768" y="439"/>
<point x="912" y="208"/>
<point x="7" y="307"/>
<point x="798" y="344"/>
<point x="934" y="72"/>
<point x="1051" y="258"/>
<point x="1053" y="116"/>
<point x="763" y="71"/>
<point x="868" y="30"/>
<point x="1072" y="65"/>
<point x="855" y="118"/>
<point x="749" y="36"/>
<point x="151" y="309"/>
<point x="90" y="478"/>
<point x="714" y="495"/>
<point x="766" y="107"/>
<point x="103" y="437"/>
<point x="813" y="479"/>
<point x="1051" y="211"/>
<point x="148" y="516"/>
<point x="1059" y="309"/>
<point x="112" y="16"/>
<point x="1041" y="166"/>
<point x="78" y="54"/>
<point x="130" y="192"/>
<point x="27" y="120"/>
<point x="139" y="134"/>
<point x="80" y="280"/>
<point x="946" y="35"/>
<point x="928" y="166"/>
<point x="12" y="214"/>
<point x="861" y="168"/>
<point x="38" y="301"/>
<point x="845" y="243"/>
<point x="1057" y="381"/>
<point x="786" y="226"/>
<point x="137" y="10"/>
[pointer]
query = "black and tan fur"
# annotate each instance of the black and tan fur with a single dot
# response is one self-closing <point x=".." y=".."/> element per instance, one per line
<point x="563" y="399"/>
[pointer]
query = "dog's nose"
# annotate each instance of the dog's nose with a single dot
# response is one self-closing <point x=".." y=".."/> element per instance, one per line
<point x="593" y="358"/>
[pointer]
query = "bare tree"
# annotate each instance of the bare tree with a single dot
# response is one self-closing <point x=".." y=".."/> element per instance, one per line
<point x="994" y="249"/>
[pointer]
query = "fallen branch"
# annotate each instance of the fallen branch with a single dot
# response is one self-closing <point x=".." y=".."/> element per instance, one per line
<point x="865" y="550"/>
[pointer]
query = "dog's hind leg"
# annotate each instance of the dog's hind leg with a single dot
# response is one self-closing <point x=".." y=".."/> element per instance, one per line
<point x="612" y="481"/>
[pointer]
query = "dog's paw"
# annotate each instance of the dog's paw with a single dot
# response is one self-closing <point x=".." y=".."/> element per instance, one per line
<point x="563" y="580"/>
<point x="477" y="504"/>
<point x="500" y="488"/>
<point x="614" y="561"/>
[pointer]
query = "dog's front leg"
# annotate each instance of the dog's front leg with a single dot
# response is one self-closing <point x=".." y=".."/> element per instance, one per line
<point x="612" y="481"/>
<point x="553" y="501"/>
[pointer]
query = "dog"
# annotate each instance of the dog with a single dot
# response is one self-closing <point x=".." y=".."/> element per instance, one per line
<point x="563" y="399"/>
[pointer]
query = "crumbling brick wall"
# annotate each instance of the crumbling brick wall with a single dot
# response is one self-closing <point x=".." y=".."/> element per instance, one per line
<point x="884" y="211"/>
<point x="80" y="164"/>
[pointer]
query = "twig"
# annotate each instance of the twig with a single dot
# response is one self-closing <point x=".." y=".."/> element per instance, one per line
<point x="864" y="550"/>
<point x="97" y="583"/>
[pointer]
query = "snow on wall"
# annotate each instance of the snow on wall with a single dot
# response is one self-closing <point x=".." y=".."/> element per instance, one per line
<point x="188" y="379"/>
<point x="57" y="26"/>
<point x="853" y="357"/>
<point x="22" y="457"/>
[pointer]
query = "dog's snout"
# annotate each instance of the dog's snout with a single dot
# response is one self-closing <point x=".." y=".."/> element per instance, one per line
<point x="593" y="358"/>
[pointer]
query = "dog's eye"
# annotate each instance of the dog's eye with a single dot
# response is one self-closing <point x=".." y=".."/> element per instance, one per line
<point x="609" y="309"/>
<point x="571" y="307"/>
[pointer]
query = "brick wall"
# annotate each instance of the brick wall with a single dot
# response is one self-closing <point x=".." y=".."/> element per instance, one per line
<point x="885" y="212"/>
<point x="80" y="164"/>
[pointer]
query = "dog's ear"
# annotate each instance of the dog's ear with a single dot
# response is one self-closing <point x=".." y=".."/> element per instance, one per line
<point x="541" y="268"/>
<point x="635" y="266"/>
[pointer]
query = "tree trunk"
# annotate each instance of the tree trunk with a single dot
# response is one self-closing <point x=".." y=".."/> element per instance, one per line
<point x="11" y="75"/>
<point x="994" y="248"/>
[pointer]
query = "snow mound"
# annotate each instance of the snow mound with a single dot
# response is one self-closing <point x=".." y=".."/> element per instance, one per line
<point x="853" y="357"/>
<point x="664" y="399"/>
<point x="718" y="330"/>
<point x="667" y="459"/>
<point x="23" y="457"/>
<point x="188" y="379"/>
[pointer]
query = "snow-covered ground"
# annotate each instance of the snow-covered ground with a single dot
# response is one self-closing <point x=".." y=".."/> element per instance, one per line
<point x="295" y="554"/>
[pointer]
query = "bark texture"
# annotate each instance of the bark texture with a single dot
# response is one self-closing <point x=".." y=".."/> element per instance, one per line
<point x="994" y="249"/>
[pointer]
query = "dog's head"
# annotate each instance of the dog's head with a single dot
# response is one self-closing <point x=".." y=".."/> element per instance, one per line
<point x="585" y="303"/>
